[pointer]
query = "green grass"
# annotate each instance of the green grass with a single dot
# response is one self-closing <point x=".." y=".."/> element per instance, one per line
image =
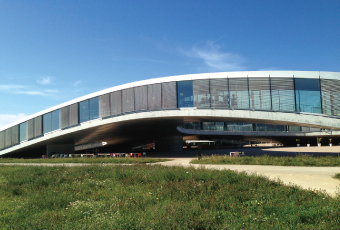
<point x="299" y="160"/>
<point x="115" y="160"/>
<point x="337" y="176"/>
<point x="156" y="197"/>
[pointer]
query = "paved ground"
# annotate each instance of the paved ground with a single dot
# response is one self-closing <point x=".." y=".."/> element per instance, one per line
<point x="315" y="178"/>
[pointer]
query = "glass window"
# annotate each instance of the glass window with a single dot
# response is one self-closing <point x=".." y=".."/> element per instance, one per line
<point x="294" y="128"/>
<point x="259" y="89"/>
<point x="23" y="131"/>
<point x="185" y="94"/>
<point x="47" y="123"/>
<point x="219" y="93"/>
<point x="283" y="94"/>
<point x="232" y="126"/>
<point x="89" y="109"/>
<point x="55" y="120"/>
<point x="239" y="95"/>
<point x="307" y="94"/>
<point x="84" y="111"/>
<point x="94" y="108"/>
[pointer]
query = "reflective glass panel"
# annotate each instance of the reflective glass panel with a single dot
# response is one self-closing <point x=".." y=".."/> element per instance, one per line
<point x="307" y="94"/>
<point x="239" y="95"/>
<point x="84" y="114"/>
<point x="185" y="94"/>
<point x="23" y="131"/>
<point x="94" y="108"/>
<point x="55" y="120"/>
<point x="232" y="126"/>
<point x="47" y="121"/>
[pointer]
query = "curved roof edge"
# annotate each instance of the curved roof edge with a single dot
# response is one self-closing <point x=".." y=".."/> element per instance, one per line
<point x="271" y="73"/>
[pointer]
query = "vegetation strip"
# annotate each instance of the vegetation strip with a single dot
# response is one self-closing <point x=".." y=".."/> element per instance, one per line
<point x="156" y="197"/>
<point x="299" y="160"/>
<point x="85" y="160"/>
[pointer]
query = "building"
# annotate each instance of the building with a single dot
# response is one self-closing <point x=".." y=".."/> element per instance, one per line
<point x="279" y="106"/>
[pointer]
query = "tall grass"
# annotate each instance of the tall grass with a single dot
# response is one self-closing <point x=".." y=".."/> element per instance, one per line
<point x="115" y="160"/>
<point x="299" y="160"/>
<point x="156" y="197"/>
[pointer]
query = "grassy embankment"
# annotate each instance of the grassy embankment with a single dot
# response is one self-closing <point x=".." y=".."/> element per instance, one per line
<point x="299" y="160"/>
<point x="94" y="160"/>
<point x="156" y="197"/>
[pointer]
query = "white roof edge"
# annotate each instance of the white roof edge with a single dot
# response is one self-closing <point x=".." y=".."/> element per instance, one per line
<point x="271" y="73"/>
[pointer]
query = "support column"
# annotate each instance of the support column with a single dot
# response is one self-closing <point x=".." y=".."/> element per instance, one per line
<point x="59" y="149"/>
<point x="168" y="144"/>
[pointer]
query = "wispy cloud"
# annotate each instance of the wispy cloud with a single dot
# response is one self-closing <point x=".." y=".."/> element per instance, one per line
<point x="217" y="59"/>
<point x="11" y="87"/>
<point x="6" y="119"/>
<point x="45" y="80"/>
<point x="52" y="91"/>
<point x="77" y="82"/>
<point x="30" y="92"/>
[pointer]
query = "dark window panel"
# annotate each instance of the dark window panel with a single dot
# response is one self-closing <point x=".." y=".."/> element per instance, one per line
<point x="185" y="94"/>
<point x="94" y="108"/>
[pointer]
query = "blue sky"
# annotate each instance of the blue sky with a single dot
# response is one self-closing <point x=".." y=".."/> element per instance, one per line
<point x="55" y="51"/>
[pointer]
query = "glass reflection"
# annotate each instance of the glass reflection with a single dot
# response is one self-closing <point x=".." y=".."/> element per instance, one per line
<point x="94" y="108"/>
<point x="307" y="94"/>
<point x="23" y="131"/>
<point x="185" y="94"/>
<point x="84" y="114"/>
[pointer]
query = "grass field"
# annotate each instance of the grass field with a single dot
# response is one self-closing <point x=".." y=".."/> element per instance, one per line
<point x="156" y="197"/>
<point x="115" y="160"/>
<point x="299" y="160"/>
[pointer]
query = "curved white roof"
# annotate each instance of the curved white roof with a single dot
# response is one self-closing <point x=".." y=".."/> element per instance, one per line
<point x="249" y="74"/>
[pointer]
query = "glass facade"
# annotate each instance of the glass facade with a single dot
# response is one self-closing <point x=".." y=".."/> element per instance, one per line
<point x="89" y="109"/>
<point x="239" y="93"/>
<point x="239" y="127"/>
<point x="307" y="95"/>
<point x="94" y="108"/>
<point x="280" y="93"/>
<point x="55" y="120"/>
<point x="23" y="131"/>
<point x="185" y="94"/>
<point x="51" y="121"/>
<point x="84" y="111"/>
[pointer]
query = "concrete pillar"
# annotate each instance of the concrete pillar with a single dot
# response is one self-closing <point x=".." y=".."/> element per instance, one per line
<point x="168" y="144"/>
<point x="59" y="149"/>
<point x="199" y="150"/>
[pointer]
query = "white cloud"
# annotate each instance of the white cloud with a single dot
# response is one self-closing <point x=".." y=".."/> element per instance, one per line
<point x="45" y="80"/>
<point x="52" y="91"/>
<point x="6" y="119"/>
<point x="214" y="57"/>
<point x="30" y="92"/>
<point x="11" y="87"/>
<point x="77" y="82"/>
